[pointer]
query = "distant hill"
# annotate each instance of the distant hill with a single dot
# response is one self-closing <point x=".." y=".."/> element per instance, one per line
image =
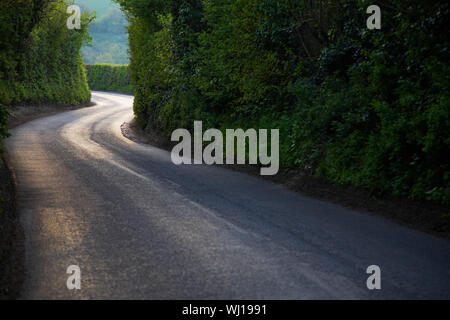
<point x="109" y="38"/>
<point x="99" y="6"/>
<point x="113" y="21"/>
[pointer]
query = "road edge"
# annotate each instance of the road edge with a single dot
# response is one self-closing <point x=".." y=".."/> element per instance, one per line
<point x="426" y="217"/>
<point x="12" y="237"/>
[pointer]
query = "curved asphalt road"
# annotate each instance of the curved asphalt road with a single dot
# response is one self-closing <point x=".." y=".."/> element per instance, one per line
<point x="140" y="227"/>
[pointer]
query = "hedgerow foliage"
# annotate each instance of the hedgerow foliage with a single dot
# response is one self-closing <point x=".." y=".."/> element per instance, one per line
<point x="109" y="77"/>
<point x="355" y="106"/>
<point x="39" y="56"/>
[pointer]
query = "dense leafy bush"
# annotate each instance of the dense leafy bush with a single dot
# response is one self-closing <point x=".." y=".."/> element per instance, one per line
<point x="17" y="19"/>
<point x="44" y="63"/>
<point x="109" y="77"/>
<point x="39" y="56"/>
<point x="356" y="106"/>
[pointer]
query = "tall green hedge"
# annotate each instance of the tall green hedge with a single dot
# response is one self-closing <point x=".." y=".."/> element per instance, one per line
<point x="356" y="106"/>
<point x="109" y="77"/>
<point x="40" y="59"/>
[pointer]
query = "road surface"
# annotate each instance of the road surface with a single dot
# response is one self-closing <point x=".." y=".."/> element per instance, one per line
<point x="140" y="227"/>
